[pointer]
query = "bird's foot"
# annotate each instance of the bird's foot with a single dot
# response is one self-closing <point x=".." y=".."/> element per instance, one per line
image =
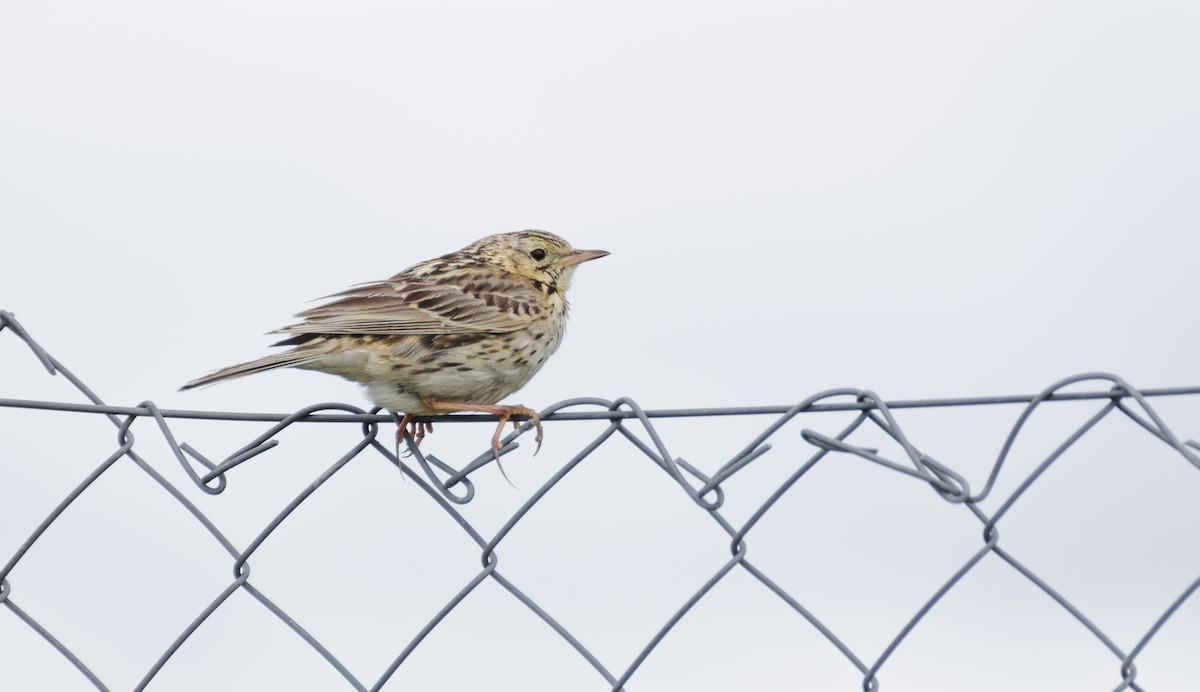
<point x="503" y="412"/>
<point x="507" y="412"/>
<point x="415" y="429"/>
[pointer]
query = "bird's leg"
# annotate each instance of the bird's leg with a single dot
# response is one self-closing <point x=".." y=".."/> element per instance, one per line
<point x="503" y="412"/>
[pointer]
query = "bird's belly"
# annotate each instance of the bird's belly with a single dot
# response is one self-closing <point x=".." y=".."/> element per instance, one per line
<point x="483" y="371"/>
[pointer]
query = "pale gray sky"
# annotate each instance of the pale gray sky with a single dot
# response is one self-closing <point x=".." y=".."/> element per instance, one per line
<point x="925" y="199"/>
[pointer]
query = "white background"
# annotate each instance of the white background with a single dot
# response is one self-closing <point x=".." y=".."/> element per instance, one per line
<point x="925" y="199"/>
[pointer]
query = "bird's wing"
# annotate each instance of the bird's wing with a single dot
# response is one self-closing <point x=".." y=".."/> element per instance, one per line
<point x="405" y="305"/>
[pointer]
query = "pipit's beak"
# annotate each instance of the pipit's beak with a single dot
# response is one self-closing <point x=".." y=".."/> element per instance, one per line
<point x="579" y="256"/>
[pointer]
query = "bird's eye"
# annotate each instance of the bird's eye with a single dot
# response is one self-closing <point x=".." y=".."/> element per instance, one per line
<point x="538" y="254"/>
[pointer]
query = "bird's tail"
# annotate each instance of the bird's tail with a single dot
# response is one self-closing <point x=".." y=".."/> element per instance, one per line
<point x="287" y="359"/>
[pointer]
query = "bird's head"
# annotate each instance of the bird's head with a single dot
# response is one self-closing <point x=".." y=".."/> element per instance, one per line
<point x="536" y="255"/>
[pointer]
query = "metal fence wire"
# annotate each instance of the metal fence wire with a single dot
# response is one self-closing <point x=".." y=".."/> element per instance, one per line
<point x="637" y="430"/>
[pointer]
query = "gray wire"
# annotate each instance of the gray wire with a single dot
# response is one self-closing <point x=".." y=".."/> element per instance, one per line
<point x="627" y="422"/>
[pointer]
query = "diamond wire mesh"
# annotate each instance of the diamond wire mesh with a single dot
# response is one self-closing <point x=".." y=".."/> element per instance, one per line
<point x="449" y="488"/>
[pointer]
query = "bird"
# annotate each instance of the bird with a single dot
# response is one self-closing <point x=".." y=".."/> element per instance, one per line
<point x="455" y="333"/>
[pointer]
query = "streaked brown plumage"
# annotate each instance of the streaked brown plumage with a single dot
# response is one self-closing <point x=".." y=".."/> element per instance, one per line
<point x="455" y="333"/>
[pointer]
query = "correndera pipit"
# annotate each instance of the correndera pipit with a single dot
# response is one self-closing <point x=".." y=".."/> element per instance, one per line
<point x="456" y="333"/>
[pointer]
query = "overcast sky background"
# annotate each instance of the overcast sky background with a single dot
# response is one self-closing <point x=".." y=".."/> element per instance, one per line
<point x="926" y="199"/>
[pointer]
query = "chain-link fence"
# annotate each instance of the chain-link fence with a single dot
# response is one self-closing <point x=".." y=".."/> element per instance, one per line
<point x="867" y="430"/>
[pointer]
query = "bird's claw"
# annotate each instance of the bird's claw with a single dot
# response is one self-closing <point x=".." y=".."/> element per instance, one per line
<point x="537" y="424"/>
<point x="536" y="420"/>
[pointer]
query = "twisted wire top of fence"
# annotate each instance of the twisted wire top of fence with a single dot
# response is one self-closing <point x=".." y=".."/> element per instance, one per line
<point x="450" y="487"/>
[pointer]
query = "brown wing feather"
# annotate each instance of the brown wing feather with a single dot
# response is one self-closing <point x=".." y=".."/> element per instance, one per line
<point x="405" y="305"/>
